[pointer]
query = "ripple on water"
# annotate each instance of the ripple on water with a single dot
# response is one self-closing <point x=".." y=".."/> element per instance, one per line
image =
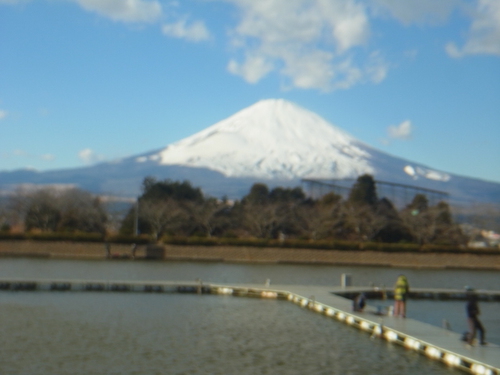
<point x="112" y="333"/>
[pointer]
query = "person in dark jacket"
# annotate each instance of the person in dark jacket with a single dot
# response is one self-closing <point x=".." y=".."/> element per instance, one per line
<point x="359" y="302"/>
<point x="473" y="321"/>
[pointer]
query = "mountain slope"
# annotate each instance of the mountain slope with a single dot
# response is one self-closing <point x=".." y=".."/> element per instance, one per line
<point x="274" y="142"/>
<point x="271" y="139"/>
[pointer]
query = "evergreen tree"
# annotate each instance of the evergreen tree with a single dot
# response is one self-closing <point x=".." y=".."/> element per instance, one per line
<point x="280" y="194"/>
<point x="258" y="195"/>
<point x="181" y="191"/>
<point x="364" y="191"/>
<point x="164" y="207"/>
<point x="391" y="227"/>
<point x="419" y="204"/>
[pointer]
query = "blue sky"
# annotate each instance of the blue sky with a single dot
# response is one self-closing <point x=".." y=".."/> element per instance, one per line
<point x="84" y="81"/>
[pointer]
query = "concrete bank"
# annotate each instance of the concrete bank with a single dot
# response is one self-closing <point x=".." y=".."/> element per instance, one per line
<point x="81" y="250"/>
<point x="334" y="257"/>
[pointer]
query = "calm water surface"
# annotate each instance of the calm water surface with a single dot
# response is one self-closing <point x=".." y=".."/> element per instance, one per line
<point x="242" y="273"/>
<point x="134" y="333"/>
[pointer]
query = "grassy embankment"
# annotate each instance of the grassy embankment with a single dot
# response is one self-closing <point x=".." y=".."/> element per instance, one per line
<point x="253" y="251"/>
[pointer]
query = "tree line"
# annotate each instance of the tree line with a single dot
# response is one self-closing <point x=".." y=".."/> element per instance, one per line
<point x="53" y="210"/>
<point x="173" y="208"/>
<point x="168" y="208"/>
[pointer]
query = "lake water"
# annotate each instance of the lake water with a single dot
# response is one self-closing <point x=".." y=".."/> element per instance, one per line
<point x="135" y="333"/>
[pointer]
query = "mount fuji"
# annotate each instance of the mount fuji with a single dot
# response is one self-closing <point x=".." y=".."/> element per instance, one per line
<point x="272" y="139"/>
<point x="274" y="142"/>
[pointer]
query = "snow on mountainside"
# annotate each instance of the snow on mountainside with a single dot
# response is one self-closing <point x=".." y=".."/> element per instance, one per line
<point x="273" y="142"/>
<point x="272" y="139"/>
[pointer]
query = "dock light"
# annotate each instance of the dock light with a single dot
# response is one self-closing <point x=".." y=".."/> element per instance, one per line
<point x="478" y="369"/>
<point x="289" y="297"/>
<point x="391" y="336"/>
<point x="318" y="307"/>
<point x="304" y="302"/>
<point x="365" y="325"/>
<point x="412" y="343"/>
<point x="330" y="312"/>
<point x="377" y="330"/>
<point x="452" y="359"/>
<point x="225" y="291"/>
<point x="350" y="319"/>
<point x="269" y="294"/>
<point x="432" y="352"/>
<point x="341" y="316"/>
<point x="296" y="299"/>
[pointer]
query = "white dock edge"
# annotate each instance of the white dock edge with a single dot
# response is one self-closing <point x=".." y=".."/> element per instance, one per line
<point x="434" y="342"/>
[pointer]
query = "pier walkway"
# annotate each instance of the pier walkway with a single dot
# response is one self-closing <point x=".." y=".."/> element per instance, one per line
<point x="434" y="342"/>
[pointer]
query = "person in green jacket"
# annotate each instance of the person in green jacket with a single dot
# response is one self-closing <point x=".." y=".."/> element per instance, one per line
<point x="401" y="290"/>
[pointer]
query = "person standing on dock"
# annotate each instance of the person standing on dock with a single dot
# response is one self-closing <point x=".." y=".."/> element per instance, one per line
<point x="359" y="302"/>
<point x="401" y="290"/>
<point x="475" y="325"/>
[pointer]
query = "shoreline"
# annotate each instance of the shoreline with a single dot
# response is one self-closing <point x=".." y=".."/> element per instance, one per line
<point x="244" y="254"/>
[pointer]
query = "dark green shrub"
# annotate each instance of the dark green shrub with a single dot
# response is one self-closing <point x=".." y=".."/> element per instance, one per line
<point x="73" y="237"/>
<point x="6" y="236"/>
<point x="5" y="228"/>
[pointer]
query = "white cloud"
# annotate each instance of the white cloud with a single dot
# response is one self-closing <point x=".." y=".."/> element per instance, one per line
<point x="48" y="157"/>
<point x="313" y="43"/>
<point x="376" y="68"/>
<point x="483" y="36"/>
<point x="18" y="153"/>
<point x="124" y="10"/>
<point x="411" y="54"/>
<point x="193" y="32"/>
<point x="253" y="69"/>
<point x="415" y="11"/>
<point x="88" y="156"/>
<point x="12" y="2"/>
<point x="117" y="10"/>
<point x="484" y="33"/>
<point x="315" y="70"/>
<point x="3" y="114"/>
<point x="452" y="50"/>
<point x="402" y="131"/>
<point x="348" y="20"/>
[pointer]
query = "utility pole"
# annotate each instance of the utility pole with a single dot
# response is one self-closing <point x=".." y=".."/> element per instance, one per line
<point x="136" y="217"/>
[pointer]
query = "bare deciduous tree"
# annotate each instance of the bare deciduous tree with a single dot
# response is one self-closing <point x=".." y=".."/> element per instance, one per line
<point x="204" y="214"/>
<point x="161" y="216"/>
<point x="260" y="220"/>
<point x="51" y="209"/>
<point x="80" y="211"/>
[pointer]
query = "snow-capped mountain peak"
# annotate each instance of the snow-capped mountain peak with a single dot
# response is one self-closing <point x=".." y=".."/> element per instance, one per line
<point x="274" y="142"/>
<point x="271" y="139"/>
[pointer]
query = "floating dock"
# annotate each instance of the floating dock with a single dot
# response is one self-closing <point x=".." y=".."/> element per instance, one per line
<point x="334" y="302"/>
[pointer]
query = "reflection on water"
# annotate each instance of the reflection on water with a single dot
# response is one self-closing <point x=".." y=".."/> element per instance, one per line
<point x="134" y="333"/>
<point x="112" y="333"/>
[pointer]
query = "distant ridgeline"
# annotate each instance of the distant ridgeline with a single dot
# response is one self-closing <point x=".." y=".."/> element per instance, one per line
<point x="273" y="142"/>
